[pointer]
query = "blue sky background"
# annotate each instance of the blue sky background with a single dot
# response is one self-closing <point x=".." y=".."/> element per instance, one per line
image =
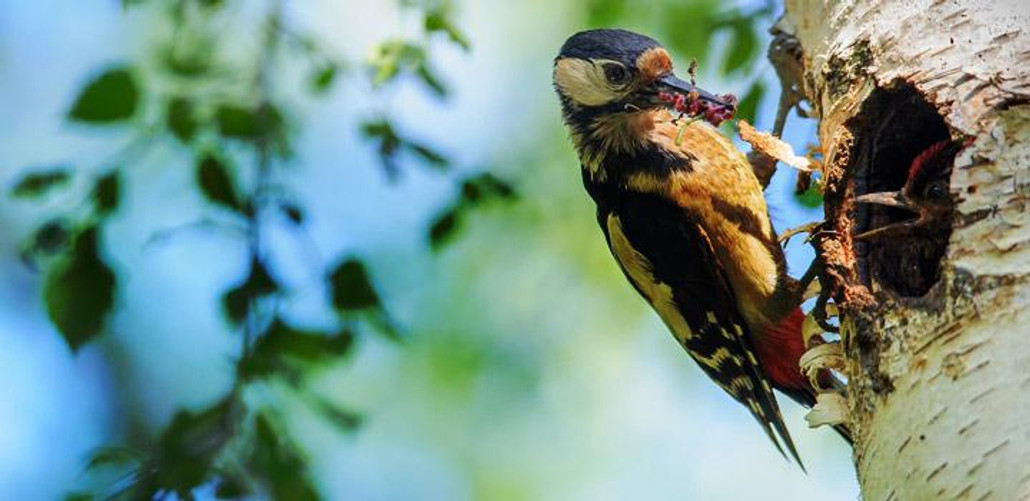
<point x="532" y="372"/>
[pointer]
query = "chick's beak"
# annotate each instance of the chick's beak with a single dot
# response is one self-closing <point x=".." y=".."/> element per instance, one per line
<point x="675" y="85"/>
<point x="890" y="199"/>
<point x="896" y="199"/>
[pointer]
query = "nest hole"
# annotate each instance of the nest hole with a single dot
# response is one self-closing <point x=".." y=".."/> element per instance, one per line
<point x="894" y="127"/>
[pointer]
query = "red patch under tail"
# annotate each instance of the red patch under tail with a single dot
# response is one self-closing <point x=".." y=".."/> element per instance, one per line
<point x="779" y="348"/>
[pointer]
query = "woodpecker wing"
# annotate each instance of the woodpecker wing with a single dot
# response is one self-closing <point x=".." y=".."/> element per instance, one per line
<point x="670" y="261"/>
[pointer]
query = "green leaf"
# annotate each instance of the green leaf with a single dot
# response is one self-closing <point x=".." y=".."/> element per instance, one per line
<point x="430" y="156"/>
<point x="352" y="288"/>
<point x="471" y="191"/>
<point x="35" y="184"/>
<point x="180" y="119"/>
<point x="443" y="228"/>
<point x="810" y="198"/>
<point x="377" y="129"/>
<point x="286" y="350"/>
<point x="111" y="97"/>
<point x="189" y="62"/>
<point x="390" y="57"/>
<point x="322" y="79"/>
<point x="51" y="237"/>
<point x="278" y="461"/>
<point x="438" y="21"/>
<point x="259" y="283"/>
<point x="382" y="132"/>
<point x="743" y="46"/>
<point x="426" y="75"/>
<point x="79" y="292"/>
<point x="496" y="185"/>
<point x="748" y="107"/>
<point x="188" y="446"/>
<point x="385" y="62"/>
<point x="236" y="304"/>
<point x="345" y="420"/>
<point x="246" y="124"/>
<point x="107" y="193"/>
<point x="230" y="487"/>
<point x="114" y="456"/>
<point x="476" y="188"/>
<point x="215" y="182"/>
<point x="236" y="122"/>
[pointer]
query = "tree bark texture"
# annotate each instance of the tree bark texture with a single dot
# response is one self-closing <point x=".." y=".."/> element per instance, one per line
<point x="938" y="356"/>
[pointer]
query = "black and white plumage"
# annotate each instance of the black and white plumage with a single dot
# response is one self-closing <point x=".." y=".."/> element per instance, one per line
<point x="685" y="219"/>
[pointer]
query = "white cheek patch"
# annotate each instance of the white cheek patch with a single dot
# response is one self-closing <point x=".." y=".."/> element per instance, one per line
<point x="583" y="82"/>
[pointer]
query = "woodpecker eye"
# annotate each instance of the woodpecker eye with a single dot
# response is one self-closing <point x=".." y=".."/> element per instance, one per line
<point x="935" y="191"/>
<point x="615" y="73"/>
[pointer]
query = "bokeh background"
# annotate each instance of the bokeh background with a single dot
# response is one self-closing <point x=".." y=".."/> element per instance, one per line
<point x="526" y="367"/>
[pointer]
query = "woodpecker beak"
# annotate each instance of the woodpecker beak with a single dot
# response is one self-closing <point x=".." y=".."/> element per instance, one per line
<point x="896" y="199"/>
<point x="675" y="85"/>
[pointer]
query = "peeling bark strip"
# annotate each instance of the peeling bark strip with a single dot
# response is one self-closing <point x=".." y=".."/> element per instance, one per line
<point x="938" y="355"/>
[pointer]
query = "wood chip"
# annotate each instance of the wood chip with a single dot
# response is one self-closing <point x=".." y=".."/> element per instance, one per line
<point x="830" y="408"/>
<point x="824" y="356"/>
<point x="772" y="146"/>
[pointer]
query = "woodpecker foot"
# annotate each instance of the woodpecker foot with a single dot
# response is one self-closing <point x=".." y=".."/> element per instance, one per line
<point x="812" y="289"/>
<point x="831" y="408"/>
<point x="808" y="287"/>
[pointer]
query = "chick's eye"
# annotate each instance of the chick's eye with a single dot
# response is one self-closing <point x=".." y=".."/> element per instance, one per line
<point x="935" y="191"/>
<point x="615" y="73"/>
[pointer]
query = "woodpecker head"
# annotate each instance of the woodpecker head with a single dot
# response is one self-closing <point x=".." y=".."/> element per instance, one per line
<point x="925" y="193"/>
<point x="606" y="79"/>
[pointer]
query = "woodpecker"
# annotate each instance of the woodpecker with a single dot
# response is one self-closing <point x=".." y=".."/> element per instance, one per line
<point x="925" y="194"/>
<point x="685" y="218"/>
<point x="905" y="253"/>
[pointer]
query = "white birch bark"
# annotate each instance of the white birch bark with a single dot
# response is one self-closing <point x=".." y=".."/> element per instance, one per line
<point x="939" y="393"/>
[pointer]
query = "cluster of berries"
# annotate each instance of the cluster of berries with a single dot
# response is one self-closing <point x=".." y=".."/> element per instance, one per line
<point x="692" y="105"/>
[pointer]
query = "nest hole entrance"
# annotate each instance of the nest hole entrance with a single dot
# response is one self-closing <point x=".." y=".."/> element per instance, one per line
<point x="895" y="127"/>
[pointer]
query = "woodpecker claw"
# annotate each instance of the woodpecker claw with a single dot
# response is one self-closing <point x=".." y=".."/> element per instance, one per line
<point x="813" y="328"/>
<point x="811" y="290"/>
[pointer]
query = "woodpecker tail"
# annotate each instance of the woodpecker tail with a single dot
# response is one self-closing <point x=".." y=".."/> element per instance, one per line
<point x="779" y="349"/>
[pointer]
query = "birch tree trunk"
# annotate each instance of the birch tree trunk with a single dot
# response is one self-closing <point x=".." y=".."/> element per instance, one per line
<point x="939" y="363"/>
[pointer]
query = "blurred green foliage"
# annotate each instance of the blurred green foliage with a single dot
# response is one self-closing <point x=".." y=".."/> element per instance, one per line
<point x="240" y="137"/>
<point x="37" y="182"/>
<point x="80" y="290"/>
<point x="112" y="97"/>
<point x="234" y="133"/>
